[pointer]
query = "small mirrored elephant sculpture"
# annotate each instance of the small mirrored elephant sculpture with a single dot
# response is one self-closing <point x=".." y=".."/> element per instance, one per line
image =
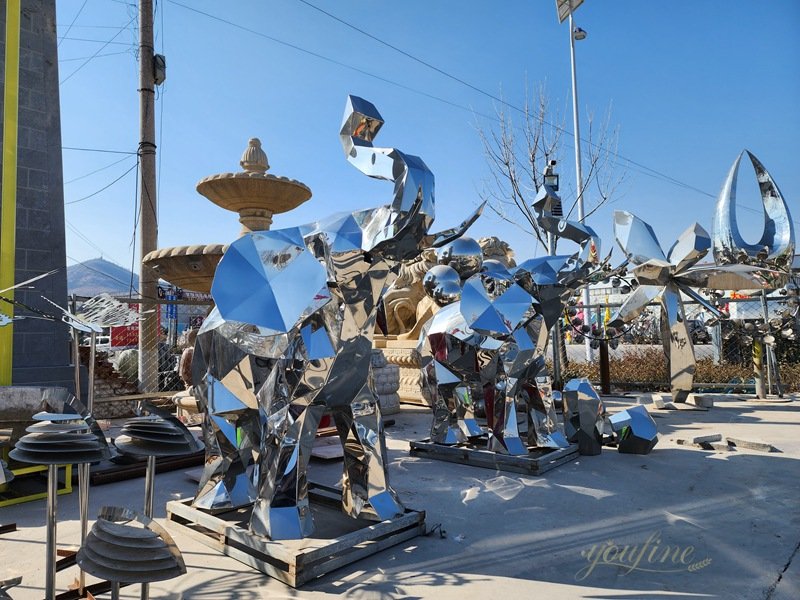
<point x="490" y="338"/>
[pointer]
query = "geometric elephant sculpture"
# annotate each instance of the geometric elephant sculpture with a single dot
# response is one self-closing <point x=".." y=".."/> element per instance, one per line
<point x="291" y="338"/>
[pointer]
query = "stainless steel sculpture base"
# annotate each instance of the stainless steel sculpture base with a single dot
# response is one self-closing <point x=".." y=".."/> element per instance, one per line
<point x="536" y="461"/>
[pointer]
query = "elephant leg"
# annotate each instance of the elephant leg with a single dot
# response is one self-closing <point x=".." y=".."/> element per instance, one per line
<point x="282" y="510"/>
<point x="366" y="492"/>
<point x="504" y="435"/>
<point x="446" y="427"/>
<point x="231" y="441"/>
<point x="465" y="412"/>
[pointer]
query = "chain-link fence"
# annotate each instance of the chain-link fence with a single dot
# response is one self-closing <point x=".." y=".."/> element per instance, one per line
<point x="768" y="326"/>
<point x="120" y="366"/>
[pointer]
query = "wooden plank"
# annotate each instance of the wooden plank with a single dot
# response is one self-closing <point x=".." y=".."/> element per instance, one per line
<point x="537" y="462"/>
<point x="295" y="562"/>
<point x="367" y="548"/>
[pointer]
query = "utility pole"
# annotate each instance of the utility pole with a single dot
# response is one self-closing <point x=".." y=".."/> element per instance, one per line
<point x="148" y="221"/>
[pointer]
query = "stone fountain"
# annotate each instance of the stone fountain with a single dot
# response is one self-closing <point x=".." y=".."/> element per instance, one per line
<point x="253" y="193"/>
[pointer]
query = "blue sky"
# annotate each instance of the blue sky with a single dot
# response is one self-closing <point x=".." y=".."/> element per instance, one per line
<point x="689" y="84"/>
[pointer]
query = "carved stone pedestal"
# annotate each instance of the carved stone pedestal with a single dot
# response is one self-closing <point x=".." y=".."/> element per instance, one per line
<point x="387" y="380"/>
<point x="403" y="353"/>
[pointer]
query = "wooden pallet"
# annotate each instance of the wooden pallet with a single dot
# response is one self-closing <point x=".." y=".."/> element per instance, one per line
<point x="537" y="462"/>
<point x="339" y="540"/>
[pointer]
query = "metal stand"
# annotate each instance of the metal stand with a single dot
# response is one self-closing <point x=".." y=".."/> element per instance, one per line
<point x="149" y="494"/>
<point x="83" y="469"/>
<point x="52" y="500"/>
<point x="115" y="590"/>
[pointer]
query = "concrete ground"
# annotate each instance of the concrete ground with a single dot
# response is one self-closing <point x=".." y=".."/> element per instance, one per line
<point x="730" y="520"/>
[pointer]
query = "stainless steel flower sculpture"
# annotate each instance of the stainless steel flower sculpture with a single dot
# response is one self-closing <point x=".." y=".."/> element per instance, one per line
<point x="665" y="277"/>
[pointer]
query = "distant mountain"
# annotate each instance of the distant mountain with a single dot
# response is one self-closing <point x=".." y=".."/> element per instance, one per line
<point x="96" y="276"/>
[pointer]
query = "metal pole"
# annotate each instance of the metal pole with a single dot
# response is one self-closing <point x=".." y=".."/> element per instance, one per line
<point x="149" y="486"/>
<point x="83" y="469"/>
<point x="148" y="223"/>
<point x="555" y="332"/>
<point x="767" y="347"/>
<point x="758" y="368"/>
<point x="52" y="500"/>
<point x="149" y="493"/>
<point x="76" y="361"/>
<point x="578" y="171"/>
<point x="115" y="590"/>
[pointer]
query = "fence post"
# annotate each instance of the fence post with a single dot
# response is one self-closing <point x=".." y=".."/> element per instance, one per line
<point x="605" y="370"/>
<point x="758" y="368"/>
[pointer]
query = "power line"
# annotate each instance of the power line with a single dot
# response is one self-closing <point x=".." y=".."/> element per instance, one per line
<point x="102" y="150"/>
<point x="100" y="49"/>
<point x="94" y="56"/>
<point x="80" y="10"/>
<point x="652" y="172"/>
<point x="330" y="60"/>
<point x="103" y="188"/>
<point x="85" y="238"/>
<point x="98" y="271"/>
<point x="116" y="162"/>
<point x="631" y="163"/>
<point x="104" y="42"/>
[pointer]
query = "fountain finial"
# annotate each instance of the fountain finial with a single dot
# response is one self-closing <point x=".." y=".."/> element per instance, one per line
<point x="254" y="159"/>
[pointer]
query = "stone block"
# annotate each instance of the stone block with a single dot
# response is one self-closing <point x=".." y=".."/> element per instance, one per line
<point x="700" y="400"/>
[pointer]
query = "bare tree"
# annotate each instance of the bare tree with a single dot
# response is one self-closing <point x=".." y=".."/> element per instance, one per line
<point x="517" y="157"/>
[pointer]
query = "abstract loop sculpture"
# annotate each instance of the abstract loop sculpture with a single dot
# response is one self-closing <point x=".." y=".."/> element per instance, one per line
<point x="776" y="246"/>
<point x="291" y="337"/>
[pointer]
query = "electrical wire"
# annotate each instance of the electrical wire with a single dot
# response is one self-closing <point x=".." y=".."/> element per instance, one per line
<point x="86" y="239"/>
<point x="88" y="60"/>
<point x="78" y="14"/>
<point x="330" y="60"/>
<point x="116" y="162"/>
<point x="135" y="225"/>
<point x="104" y="42"/>
<point x="98" y="271"/>
<point x="96" y="56"/>
<point x="101" y="150"/>
<point x="650" y="171"/>
<point x="101" y="189"/>
<point x="160" y="99"/>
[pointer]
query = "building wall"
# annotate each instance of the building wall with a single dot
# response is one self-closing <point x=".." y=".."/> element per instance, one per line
<point x="41" y="348"/>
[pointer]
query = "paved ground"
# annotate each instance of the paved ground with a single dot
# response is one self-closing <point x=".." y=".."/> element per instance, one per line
<point x="732" y="517"/>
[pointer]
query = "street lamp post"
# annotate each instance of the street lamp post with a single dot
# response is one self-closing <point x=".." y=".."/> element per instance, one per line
<point x="565" y="8"/>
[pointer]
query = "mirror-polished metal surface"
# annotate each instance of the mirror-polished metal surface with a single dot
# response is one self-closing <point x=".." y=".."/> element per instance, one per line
<point x="463" y="255"/>
<point x="291" y="337"/>
<point x="666" y="278"/>
<point x="65" y="433"/>
<point x="635" y="429"/>
<point x="125" y="546"/>
<point x="491" y="343"/>
<point x="155" y="432"/>
<point x="776" y="245"/>
<point x="583" y="416"/>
